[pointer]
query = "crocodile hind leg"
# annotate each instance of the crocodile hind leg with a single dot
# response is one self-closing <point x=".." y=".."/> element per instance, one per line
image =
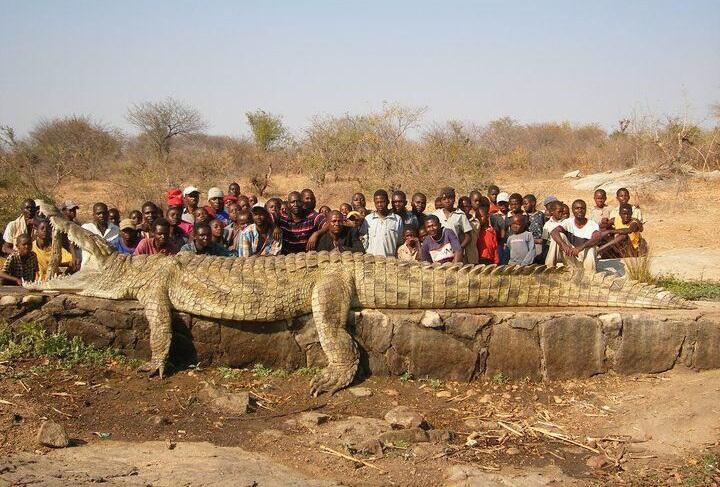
<point x="331" y="298"/>
<point x="157" y="311"/>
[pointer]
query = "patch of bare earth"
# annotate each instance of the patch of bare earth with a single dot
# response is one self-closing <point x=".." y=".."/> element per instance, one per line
<point x="126" y="429"/>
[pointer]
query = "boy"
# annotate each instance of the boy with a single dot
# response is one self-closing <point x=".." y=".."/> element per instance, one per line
<point x="410" y="249"/>
<point x="358" y="203"/>
<point x="454" y="218"/>
<point x="258" y="238"/>
<point x="438" y="203"/>
<point x="179" y="230"/>
<point x="42" y="248"/>
<point x="345" y="209"/>
<point x="218" y="231"/>
<point x="137" y="218"/>
<point x="536" y="221"/>
<point x="493" y="193"/>
<point x="21" y="264"/>
<point x="501" y="224"/>
<point x="128" y="240"/>
<point x="600" y="213"/>
<point x="623" y="197"/>
<point x="555" y="209"/>
<point x="160" y="241"/>
<point x="202" y="243"/>
<point x="521" y="244"/>
<point x="627" y="240"/>
<point x="419" y="202"/>
<point x="487" y="242"/>
<point x="381" y="230"/>
<point x="399" y="204"/>
<point x="471" y="255"/>
<point x="441" y="245"/>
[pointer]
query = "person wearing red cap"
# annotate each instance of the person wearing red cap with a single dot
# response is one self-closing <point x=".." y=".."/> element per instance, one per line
<point x="174" y="197"/>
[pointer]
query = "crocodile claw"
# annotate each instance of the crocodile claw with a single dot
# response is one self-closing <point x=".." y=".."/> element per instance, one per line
<point x="333" y="378"/>
<point x="152" y="369"/>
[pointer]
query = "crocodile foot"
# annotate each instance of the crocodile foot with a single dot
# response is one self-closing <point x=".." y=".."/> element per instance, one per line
<point x="333" y="378"/>
<point x="152" y="369"/>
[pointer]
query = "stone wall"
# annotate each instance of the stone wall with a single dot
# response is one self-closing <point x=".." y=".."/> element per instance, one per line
<point x="538" y="343"/>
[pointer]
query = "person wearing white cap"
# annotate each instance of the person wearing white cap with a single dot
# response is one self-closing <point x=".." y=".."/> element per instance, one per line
<point x="216" y="205"/>
<point x="191" y="197"/>
<point x="501" y="223"/>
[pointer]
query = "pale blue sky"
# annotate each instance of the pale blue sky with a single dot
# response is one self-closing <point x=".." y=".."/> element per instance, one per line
<point x="468" y="60"/>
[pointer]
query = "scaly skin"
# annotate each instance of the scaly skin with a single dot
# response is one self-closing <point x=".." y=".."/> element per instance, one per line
<point x="328" y="285"/>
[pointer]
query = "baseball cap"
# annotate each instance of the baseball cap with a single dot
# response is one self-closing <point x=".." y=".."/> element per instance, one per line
<point x="229" y="197"/>
<point x="354" y="214"/>
<point x="127" y="223"/>
<point x="190" y="189"/>
<point x="215" y="193"/>
<point x="549" y="199"/>
<point x="69" y="205"/>
<point x="174" y="196"/>
<point x="503" y="197"/>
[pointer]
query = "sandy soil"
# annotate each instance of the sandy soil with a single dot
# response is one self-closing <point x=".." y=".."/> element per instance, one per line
<point x="647" y="429"/>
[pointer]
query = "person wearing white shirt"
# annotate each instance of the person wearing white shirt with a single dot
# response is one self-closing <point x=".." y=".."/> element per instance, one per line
<point x="100" y="226"/>
<point x="454" y="218"/>
<point x="577" y="238"/>
<point x="381" y="232"/>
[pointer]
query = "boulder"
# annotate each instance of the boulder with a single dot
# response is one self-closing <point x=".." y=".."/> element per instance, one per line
<point x="404" y="417"/>
<point x="513" y="352"/>
<point x="9" y="300"/>
<point x="374" y="330"/>
<point x="412" y="435"/>
<point x="226" y="401"/>
<point x="648" y="345"/>
<point x="271" y="344"/>
<point x="360" y="391"/>
<point x="707" y="345"/>
<point x="91" y="332"/>
<point x="52" y="434"/>
<point x="572" y="346"/>
<point x="466" y="325"/>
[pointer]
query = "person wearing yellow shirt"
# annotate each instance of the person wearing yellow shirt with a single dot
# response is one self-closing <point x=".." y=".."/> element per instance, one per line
<point x="627" y="238"/>
<point x="42" y="246"/>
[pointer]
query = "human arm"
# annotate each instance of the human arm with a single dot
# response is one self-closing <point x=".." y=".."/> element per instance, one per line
<point x="556" y="235"/>
<point x="530" y="256"/>
<point x="635" y="226"/>
<point x="7" y="277"/>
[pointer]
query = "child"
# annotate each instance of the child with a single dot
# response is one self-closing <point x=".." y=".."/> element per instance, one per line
<point x="136" y="217"/>
<point x="493" y="193"/>
<point x="536" y="220"/>
<point x="470" y="251"/>
<point x="521" y="243"/>
<point x="600" y="214"/>
<point x="555" y="208"/>
<point x="439" y="203"/>
<point x="627" y="238"/>
<point x="623" y="197"/>
<point x="487" y="244"/>
<point x="501" y="223"/>
<point x="441" y="244"/>
<point x="410" y="250"/>
<point x="201" y="216"/>
<point x="217" y="227"/>
<point x="345" y="208"/>
<point x="21" y="264"/>
<point x="114" y="216"/>
<point x="565" y="211"/>
<point x="179" y="230"/>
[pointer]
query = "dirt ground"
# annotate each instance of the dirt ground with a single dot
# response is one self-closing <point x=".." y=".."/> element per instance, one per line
<point x="128" y="430"/>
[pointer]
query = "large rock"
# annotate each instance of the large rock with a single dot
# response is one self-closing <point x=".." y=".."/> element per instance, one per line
<point x="270" y="344"/>
<point x="707" y="345"/>
<point x="91" y="332"/>
<point x="648" y="345"/>
<point x="226" y="401"/>
<point x="374" y="330"/>
<point x="404" y="417"/>
<point x="466" y="325"/>
<point x="514" y="353"/>
<point x="429" y="353"/>
<point x="52" y="434"/>
<point x="572" y="346"/>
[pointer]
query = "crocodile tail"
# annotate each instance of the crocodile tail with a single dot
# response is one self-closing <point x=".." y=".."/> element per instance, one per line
<point x="390" y="283"/>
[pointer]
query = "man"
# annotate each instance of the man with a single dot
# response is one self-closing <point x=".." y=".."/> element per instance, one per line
<point x="399" y="203"/>
<point x="454" y="218"/>
<point x="470" y="254"/>
<point x="419" y="203"/>
<point x="21" y="264"/>
<point x="24" y="224"/>
<point x="100" y="226"/>
<point x="216" y="206"/>
<point x="160" y="243"/>
<point x="441" y="244"/>
<point x="546" y="204"/>
<point x="191" y="196"/>
<point x="493" y="193"/>
<point x="234" y="190"/>
<point x="150" y="213"/>
<point x="42" y="247"/>
<point x="202" y="243"/>
<point x="382" y="231"/>
<point x="297" y="225"/>
<point x="627" y="240"/>
<point x="575" y="239"/>
<point x="339" y="236"/>
<point x="309" y="202"/>
<point x="69" y="209"/>
<point x="128" y="240"/>
<point x="258" y="238"/>
<point x="623" y="197"/>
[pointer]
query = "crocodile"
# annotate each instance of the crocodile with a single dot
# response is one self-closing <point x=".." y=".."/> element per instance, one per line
<point x="326" y="284"/>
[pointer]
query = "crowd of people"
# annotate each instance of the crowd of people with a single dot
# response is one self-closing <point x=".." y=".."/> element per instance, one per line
<point x="492" y="228"/>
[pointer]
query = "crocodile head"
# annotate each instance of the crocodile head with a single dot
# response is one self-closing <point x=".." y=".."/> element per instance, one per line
<point x="96" y="248"/>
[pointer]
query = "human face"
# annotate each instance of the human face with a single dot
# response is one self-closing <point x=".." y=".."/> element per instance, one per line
<point x="23" y="247"/>
<point x="202" y="238"/>
<point x="381" y="204"/>
<point x="201" y="216"/>
<point x="234" y="189"/>
<point x="492" y="195"/>
<point x="626" y="215"/>
<point x="579" y="209"/>
<point x="345" y="209"/>
<point x="191" y="200"/>
<point x="565" y="212"/>
<point x="515" y="205"/>
<point x="528" y="205"/>
<point x="252" y="199"/>
<point x="150" y="214"/>
<point x="308" y="199"/>
<point x="557" y="212"/>
<point x="623" y="197"/>
<point x="101" y="216"/>
<point x="398" y="203"/>
<point x="475" y="200"/>
<point x="217" y="203"/>
<point x="243" y="203"/>
<point x="295" y="203"/>
<point x="432" y="227"/>
<point x="325" y="210"/>
<point x="233" y="212"/>
<point x="483" y="218"/>
<point x="517" y="225"/>
<point x="173" y="216"/>
<point x="29" y="210"/>
<point x="358" y="200"/>
<point x="128" y="235"/>
<point x="217" y="228"/>
<point x="136" y="217"/>
<point x="503" y="206"/>
<point x="448" y="201"/>
<point x="410" y="236"/>
<point x="272" y="207"/>
<point x="465" y="205"/>
<point x="162" y="235"/>
<point x="336" y="223"/>
<point x="70" y="213"/>
<point x="114" y="216"/>
<point x="419" y="202"/>
<point x="43" y="232"/>
<point x="260" y="219"/>
<point x="599" y="197"/>
<point x="242" y="220"/>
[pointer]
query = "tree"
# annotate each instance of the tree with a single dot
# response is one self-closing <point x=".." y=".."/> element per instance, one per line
<point x="268" y="129"/>
<point x="163" y="121"/>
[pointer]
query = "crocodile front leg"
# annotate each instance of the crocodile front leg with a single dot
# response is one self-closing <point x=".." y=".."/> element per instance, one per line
<point x="157" y="311"/>
<point x="331" y="298"/>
